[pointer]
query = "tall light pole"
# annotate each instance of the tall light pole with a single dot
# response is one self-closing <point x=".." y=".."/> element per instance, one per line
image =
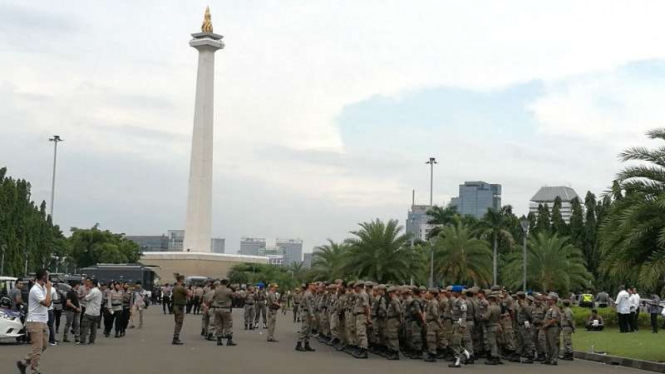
<point x="431" y="162"/>
<point x="525" y="227"/>
<point x="55" y="139"/>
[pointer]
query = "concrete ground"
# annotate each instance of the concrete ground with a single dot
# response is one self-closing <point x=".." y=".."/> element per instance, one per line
<point x="149" y="351"/>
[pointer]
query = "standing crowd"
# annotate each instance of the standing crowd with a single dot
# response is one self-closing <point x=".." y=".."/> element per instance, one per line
<point x="85" y="306"/>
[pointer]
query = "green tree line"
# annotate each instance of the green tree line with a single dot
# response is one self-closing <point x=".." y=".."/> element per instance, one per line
<point x="30" y="240"/>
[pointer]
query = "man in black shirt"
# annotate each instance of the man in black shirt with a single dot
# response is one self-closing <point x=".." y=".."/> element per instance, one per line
<point x="73" y="313"/>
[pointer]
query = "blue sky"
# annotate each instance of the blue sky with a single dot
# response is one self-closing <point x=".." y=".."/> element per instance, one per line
<point x="324" y="112"/>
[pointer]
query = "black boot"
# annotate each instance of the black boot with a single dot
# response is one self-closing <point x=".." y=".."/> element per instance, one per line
<point x="176" y="341"/>
<point x="309" y="348"/>
<point x="361" y="353"/>
<point x="246" y="327"/>
<point x="429" y="357"/>
<point x="393" y="355"/>
<point x="219" y="341"/>
<point x="492" y="361"/>
<point x="203" y="332"/>
<point x="299" y="347"/>
<point x="527" y="360"/>
<point x="230" y="342"/>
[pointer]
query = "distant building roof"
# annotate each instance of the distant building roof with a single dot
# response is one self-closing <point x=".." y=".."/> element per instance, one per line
<point x="550" y="193"/>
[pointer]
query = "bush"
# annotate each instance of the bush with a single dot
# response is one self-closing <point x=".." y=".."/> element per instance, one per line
<point x="609" y="315"/>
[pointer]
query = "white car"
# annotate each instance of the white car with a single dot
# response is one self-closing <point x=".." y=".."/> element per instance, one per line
<point x="10" y="324"/>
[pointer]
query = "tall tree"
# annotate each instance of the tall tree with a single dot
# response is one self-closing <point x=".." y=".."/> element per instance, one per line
<point x="461" y="258"/>
<point x="559" y="226"/>
<point x="577" y="227"/>
<point x="93" y="246"/>
<point x="380" y="252"/>
<point x="632" y="235"/>
<point x="494" y="227"/>
<point x="590" y="248"/>
<point x="543" y="221"/>
<point x="553" y="263"/>
<point x="329" y="260"/>
<point x="440" y="217"/>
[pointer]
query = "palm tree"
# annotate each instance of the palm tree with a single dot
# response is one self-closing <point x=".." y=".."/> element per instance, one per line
<point x="380" y="252"/>
<point x="297" y="271"/>
<point x="440" y="217"/>
<point x="495" y="226"/>
<point x="328" y="261"/>
<point x="553" y="263"/>
<point x="460" y="257"/>
<point x="632" y="235"/>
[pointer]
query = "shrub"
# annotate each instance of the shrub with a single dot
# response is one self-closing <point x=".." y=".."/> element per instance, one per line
<point x="609" y="315"/>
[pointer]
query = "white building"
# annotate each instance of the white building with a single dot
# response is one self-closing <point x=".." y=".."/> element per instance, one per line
<point x="275" y="260"/>
<point x="217" y="245"/>
<point x="252" y="246"/>
<point x="292" y="250"/>
<point x="175" y="237"/>
<point x="416" y="222"/>
<point x="547" y="195"/>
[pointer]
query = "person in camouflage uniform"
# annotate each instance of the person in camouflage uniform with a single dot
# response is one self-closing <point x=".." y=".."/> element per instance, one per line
<point x="417" y="323"/>
<point x="538" y="313"/>
<point x="434" y="324"/>
<point x="481" y="326"/>
<point x="524" y="317"/>
<point x="350" y="320"/>
<point x="491" y="319"/>
<point x="551" y="326"/>
<point x="394" y="319"/>
<point x="567" y="329"/>
<point x="467" y="296"/>
<point x="458" y="314"/>
<point x="307" y="318"/>
<point x="445" y="304"/>
<point x="250" y="308"/>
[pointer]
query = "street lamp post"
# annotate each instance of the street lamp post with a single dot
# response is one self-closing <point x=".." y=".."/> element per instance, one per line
<point x="431" y="162"/>
<point x="525" y="227"/>
<point x="55" y="139"/>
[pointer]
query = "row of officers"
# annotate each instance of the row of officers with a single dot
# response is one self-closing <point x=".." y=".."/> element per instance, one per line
<point x="454" y="324"/>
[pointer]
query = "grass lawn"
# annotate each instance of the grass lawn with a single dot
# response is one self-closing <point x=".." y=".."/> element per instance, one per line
<point x="641" y="345"/>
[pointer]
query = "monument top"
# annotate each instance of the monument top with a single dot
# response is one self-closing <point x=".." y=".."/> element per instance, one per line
<point x="206" y="27"/>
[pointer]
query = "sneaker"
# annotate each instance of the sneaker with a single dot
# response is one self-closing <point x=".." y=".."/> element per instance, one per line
<point x="77" y="342"/>
<point x="54" y="344"/>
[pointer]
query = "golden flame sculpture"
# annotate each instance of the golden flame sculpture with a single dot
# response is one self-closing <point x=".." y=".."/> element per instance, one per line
<point x="207" y="23"/>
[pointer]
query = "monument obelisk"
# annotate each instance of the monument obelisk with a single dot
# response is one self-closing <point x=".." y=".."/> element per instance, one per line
<point x="199" y="196"/>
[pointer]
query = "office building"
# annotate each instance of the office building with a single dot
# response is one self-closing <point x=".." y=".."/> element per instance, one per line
<point x="175" y="238"/>
<point x="307" y="260"/>
<point x="217" y="245"/>
<point x="475" y="198"/>
<point x="150" y="243"/>
<point x="252" y="246"/>
<point x="292" y="250"/>
<point x="275" y="260"/>
<point x="416" y="222"/>
<point x="546" y="196"/>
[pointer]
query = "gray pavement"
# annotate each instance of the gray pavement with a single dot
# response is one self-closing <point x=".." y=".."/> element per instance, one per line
<point x="148" y="351"/>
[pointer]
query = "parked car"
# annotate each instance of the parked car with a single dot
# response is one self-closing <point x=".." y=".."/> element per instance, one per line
<point x="10" y="321"/>
<point x="6" y="284"/>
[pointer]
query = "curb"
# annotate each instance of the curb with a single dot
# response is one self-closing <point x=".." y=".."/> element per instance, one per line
<point x="621" y="361"/>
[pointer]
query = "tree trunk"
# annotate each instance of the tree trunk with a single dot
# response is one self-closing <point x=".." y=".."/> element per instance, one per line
<point x="495" y="261"/>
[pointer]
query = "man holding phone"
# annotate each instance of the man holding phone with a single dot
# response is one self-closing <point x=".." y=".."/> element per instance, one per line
<point x="37" y="320"/>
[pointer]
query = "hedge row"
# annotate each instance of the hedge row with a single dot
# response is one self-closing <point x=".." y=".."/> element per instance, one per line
<point x="609" y="315"/>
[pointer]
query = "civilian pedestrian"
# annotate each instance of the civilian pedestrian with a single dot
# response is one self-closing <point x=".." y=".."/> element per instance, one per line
<point x="635" y="302"/>
<point x="73" y="314"/>
<point x="137" y="305"/>
<point x="623" y="309"/>
<point x="654" y="311"/>
<point x="39" y="300"/>
<point x="51" y="317"/>
<point x="92" y="312"/>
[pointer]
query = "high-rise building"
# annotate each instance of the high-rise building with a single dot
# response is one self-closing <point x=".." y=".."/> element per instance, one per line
<point x="252" y="246"/>
<point x="307" y="260"/>
<point x="175" y="238"/>
<point x="150" y="243"/>
<point x="292" y="250"/>
<point x="416" y="222"/>
<point x="475" y="198"/>
<point x="217" y="245"/>
<point x="546" y="196"/>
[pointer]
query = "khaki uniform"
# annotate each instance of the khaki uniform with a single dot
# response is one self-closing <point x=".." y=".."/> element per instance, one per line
<point x="208" y="314"/>
<point x="273" y="307"/>
<point x="260" y="307"/>
<point x="553" y="319"/>
<point x="297" y="299"/>
<point x="538" y="314"/>
<point x="415" y="338"/>
<point x="458" y="314"/>
<point x="179" y="302"/>
<point x="222" y="302"/>
<point x="394" y="318"/>
<point x="481" y="331"/>
<point x="447" y="322"/>
<point x="470" y="325"/>
<point x="359" y="311"/>
<point x="350" y="320"/>
<point x="434" y="326"/>
<point x="525" y="329"/>
<point x="306" y="317"/>
<point x="491" y="318"/>
<point x="567" y="328"/>
<point x="249" y="309"/>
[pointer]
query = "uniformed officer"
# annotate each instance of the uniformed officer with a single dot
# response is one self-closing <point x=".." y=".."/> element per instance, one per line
<point x="249" y="308"/>
<point x="394" y="319"/>
<point x="222" y="302"/>
<point x="524" y="319"/>
<point x="567" y="329"/>
<point x="538" y="312"/>
<point x="273" y="307"/>
<point x="434" y="324"/>
<point x="297" y="299"/>
<point x="458" y="313"/>
<point x="361" y="311"/>
<point x="350" y="320"/>
<point x="208" y="319"/>
<point x="260" y="306"/>
<point x="491" y="318"/>
<point x="551" y="327"/>
<point x="307" y="318"/>
<point x="179" y="302"/>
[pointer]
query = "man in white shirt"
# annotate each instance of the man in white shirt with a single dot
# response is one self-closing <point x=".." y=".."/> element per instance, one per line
<point x="37" y="321"/>
<point x="92" y="311"/>
<point x="623" y="309"/>
<point x="634" y="308"/>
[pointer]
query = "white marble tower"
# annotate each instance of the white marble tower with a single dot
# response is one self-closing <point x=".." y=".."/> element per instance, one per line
<point x="199" y="197"/>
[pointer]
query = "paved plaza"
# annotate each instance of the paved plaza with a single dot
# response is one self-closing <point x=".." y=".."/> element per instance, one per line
<point x="149" y="351"/>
